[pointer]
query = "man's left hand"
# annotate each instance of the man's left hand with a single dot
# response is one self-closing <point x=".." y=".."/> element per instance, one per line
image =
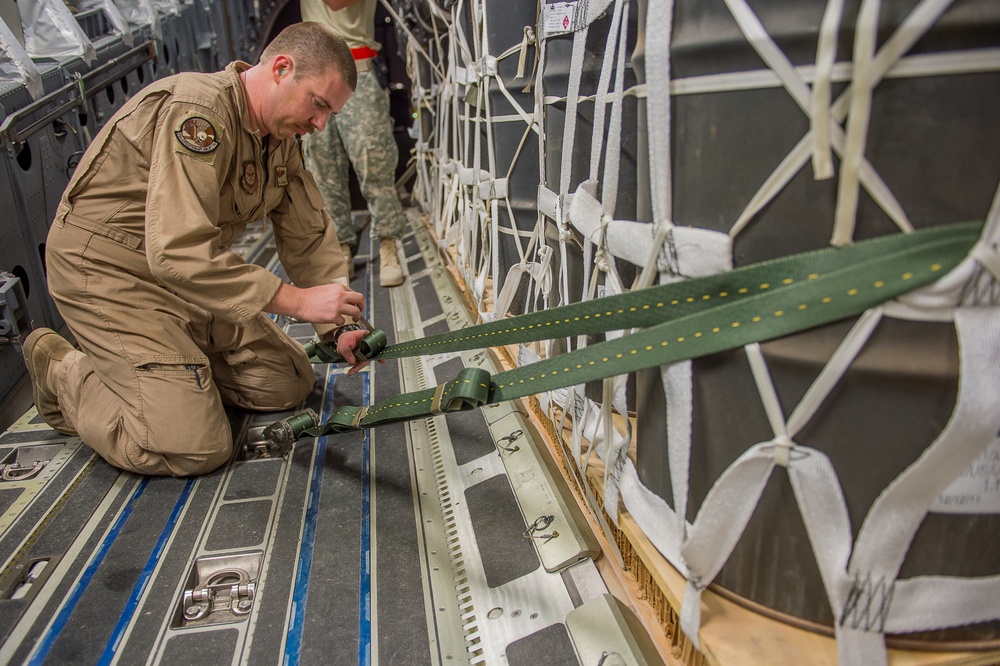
<point x="346" y="344"/>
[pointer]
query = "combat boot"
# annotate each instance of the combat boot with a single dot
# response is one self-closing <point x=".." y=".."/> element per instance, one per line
<point x="346" y="249"/>
<point x="43" y="348"/>
<point x="390" y="272"/>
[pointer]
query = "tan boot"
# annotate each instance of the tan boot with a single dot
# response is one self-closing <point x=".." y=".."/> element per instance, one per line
<point x="42" y="348"/>
<point x="390" y="272"/>
<point x="346" y="249"/>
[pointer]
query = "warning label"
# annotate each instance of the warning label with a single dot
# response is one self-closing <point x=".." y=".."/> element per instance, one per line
<point x="977" y="488"/>
<point x="557" y="18"/>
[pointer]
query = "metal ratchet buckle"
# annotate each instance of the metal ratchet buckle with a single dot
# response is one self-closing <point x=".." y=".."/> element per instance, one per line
<point x="282" y="434"/>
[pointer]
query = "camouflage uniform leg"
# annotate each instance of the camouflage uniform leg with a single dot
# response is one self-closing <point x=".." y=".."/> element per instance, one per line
<point x="366" y="130"/>
<point x="327" y="159"/>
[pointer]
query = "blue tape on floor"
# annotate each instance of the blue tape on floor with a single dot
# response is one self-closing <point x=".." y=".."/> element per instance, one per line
<point x="365" y="584"/>
<point x="293" y="644"/>
<point x="147" y="572"/>
<point x="49" y="639"/>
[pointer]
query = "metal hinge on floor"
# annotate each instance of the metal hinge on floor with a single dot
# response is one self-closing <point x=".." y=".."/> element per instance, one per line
<point x="220" y="590"/>
<point x="26" y="462"/>
<point x="237" y="598"/>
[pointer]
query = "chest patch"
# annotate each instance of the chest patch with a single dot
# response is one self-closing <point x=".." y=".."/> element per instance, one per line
<point x="197" y="134"/>
<point x="281" y="175"/>
<point x="248" y="181"/>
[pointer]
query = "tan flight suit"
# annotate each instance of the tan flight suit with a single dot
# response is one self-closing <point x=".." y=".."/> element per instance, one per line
<point x="169" y="319"/>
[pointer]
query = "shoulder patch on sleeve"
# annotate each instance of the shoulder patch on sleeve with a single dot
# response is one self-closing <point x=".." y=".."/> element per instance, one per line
<point x="198" y="135"/>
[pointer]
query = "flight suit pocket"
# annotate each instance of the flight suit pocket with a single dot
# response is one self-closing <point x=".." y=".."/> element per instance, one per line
<point x="313" y="194"/>
<point x="306" y="205"/>
<point x="247" y="206"/>
<point x="183" y="370"/>
<point x="179" y="403"/>
<point x="240" y="357"/>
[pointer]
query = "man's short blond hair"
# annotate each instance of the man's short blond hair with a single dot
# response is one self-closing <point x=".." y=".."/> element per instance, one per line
<point x="315" y="49"/>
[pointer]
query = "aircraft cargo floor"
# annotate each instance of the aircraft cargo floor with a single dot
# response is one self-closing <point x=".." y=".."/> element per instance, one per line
<point x="440" y="541"/>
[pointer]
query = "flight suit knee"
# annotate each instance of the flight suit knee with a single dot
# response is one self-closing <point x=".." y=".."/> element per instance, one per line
<point x="271" y="372"/>
<point x="179" y="447"/>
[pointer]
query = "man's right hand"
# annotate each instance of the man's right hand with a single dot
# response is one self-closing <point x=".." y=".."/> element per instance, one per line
<point x="323" y="304"/>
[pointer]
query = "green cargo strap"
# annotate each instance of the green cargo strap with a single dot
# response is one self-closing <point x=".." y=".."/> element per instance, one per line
<point x="683" y="320"/>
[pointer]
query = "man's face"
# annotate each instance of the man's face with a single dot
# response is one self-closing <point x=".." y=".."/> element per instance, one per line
<point x="300" y="104"/>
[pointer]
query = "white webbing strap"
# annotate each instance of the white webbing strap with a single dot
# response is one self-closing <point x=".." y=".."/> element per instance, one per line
<point x="799" y="91"/>
<point x="612" y="160"/>
<point x="566" y="165"/>
<point x="984" y="288"/>
<point x="678" y="392"/>
<point x="522" y="50"/>
<point x="862" y="84"/>
<point x="617" y="34"/>
<point x="819" y="109"/>
<point x="986" y="252"/>
<point x="721" y="520"/>
<point x="453" y="186"/>
<point x="657" y="520"/>
<point x="677" y="378"/>
<point x="813" y="479"/>
<point x="916" y="24"/>
<point x="651" y="513"/>
<point x="924" y="602"/>
<point x="457" y="25"/>
<point x="782" y="441"/>
<point x="549" y="202"/>
<point x="572" y="101"/>
<point x="616" y="447"/>
<point x="603" y="84"/>
<point x="533" y="269"/>
<point x="659" y="27"/>
<point x="824" y="513"/>
<point x="834" y="369"/>
<point x="895" y="516"/>
<point x="585" y="426"/>
<point x="688" y="252"/>
<point x="988" y="257"/>
<point x="968" y="284"/>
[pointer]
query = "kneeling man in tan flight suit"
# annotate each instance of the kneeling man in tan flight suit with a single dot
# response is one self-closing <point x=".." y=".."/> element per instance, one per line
<point x="172" y="325"/>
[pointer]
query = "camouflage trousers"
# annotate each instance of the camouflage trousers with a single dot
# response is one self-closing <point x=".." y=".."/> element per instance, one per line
<point x="361" y="133"/>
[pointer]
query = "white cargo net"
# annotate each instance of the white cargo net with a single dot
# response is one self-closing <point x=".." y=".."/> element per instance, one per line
<point x="859" y="574"/>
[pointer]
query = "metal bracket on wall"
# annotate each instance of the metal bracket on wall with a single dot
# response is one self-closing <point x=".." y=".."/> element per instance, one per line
<point x="75" y="93"/>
